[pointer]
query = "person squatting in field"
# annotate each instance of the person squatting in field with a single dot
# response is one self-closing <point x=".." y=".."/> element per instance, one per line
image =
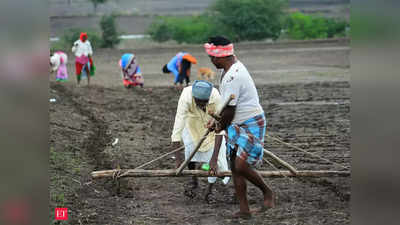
<point x="58" y="62"/>
<point x="83" y="58"/>
<point x="180" y="66"/>
<point x="130" y="71"/>
<point x="244" y="122"/>
<point x="191" y="124"/>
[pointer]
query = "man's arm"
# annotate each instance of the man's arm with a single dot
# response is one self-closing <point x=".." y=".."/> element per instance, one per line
<point x="179" y="124"/>
<point x="214" y="158"/>
<point x="74" y="46"/>
<point x="90" y="53"/>
<point x="227" y="115"/>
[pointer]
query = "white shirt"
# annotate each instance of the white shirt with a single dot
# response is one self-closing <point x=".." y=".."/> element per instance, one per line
<point x="237" y="81"/>
<point x="56" y="60"/>
<point x="190" y="116"/>
<point x="82" y="48"/>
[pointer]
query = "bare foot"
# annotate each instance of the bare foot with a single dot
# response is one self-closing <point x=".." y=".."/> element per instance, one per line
<point x="242" y="215"/>
<point x="269" y="202"/>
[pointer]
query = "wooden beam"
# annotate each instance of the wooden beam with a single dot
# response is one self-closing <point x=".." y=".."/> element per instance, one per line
<point x="280" y="161"/>
<point x="201" y="173"/>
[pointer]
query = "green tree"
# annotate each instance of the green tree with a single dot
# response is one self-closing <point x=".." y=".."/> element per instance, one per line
<point x="110" y="34"/>
<point x="249" y="19"/>
<point x="96" y="3"/>
<point x="301" y="27"/>
<point x="238" y="20"/>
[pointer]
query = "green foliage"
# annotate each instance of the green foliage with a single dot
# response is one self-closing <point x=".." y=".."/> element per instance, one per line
<point x="302" y="27"/>
<point x="110" y="35"/>
<point x="71" y="35"/>
<point x="188" y="29"/>
<point x="236" y="19"/>
<point x="249" y="19"/>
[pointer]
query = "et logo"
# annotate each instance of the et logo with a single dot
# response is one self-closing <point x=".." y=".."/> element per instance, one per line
<point x="61" y="214"/>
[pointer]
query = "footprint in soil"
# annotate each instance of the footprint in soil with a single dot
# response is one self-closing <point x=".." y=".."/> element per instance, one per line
<point x="190" y="192"/>
<point x="211" y="198"/>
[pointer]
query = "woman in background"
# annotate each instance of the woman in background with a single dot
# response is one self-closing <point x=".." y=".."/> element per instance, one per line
<point x="180" y="66"/>
<point x="130" y="71"/>
<point x="83" y="58"/>
<point x="58" y="62"/>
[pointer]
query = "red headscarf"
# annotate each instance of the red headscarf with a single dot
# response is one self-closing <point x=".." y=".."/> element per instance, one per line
<point x="82" y="36"/>
<point x="219" y="50"/>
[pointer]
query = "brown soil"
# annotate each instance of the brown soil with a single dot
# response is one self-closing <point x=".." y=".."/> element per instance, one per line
<point x="311" y="113"/>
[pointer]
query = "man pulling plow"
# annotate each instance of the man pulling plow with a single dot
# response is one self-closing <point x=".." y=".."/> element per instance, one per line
<point x="243" y="120"/>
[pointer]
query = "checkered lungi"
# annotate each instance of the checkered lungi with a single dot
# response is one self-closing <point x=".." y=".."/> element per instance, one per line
<point x="249" y="139"/>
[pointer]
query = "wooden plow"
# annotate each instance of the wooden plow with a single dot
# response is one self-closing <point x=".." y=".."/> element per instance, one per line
<point x="119" y="173"/>
<point x="290" y="172"/>
<point x="180" y="172"/>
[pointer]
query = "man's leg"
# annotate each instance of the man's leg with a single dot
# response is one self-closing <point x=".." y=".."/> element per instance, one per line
<point x="88" y="76"/>
<point x="241" y="192"/>
<point x="240" y="188"/>
<point x="242" y="168"/>
<point x="187" y="80"/>
<point x="191" y="190"/>
<point x="208" y="194"/>
<point x="78" y="69"/>
<point x="195" y="182"/>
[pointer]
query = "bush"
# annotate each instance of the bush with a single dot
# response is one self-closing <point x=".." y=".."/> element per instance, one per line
<point x="301" y="27"/>
<point x="249" y="19"/>
<point x="236" y="19"/>
<point x="109" y="28"/>
<point x="71" y="35"/>
<point x="187" y="29"/>
<point x="160" y="30"/>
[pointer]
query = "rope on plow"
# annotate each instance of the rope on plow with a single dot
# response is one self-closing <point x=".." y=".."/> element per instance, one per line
<point x="306" y="152"/>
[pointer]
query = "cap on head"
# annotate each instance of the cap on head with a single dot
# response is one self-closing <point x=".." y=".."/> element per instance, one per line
<point x="201" y="89"/>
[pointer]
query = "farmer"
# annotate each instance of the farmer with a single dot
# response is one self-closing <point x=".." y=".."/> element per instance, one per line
<point x="243" y="120"/>
<point x="180" y="66"/>
<point x="190" y="124"/>
<point x="58" y="62"/>
<point x="130" y="71"/>
<point x="83" y="60"/>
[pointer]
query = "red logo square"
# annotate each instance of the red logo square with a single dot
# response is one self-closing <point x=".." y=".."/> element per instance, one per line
<point x="61" y="214"/>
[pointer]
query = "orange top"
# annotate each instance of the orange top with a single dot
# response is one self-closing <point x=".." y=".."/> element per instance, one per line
<point x="190" y="58"/>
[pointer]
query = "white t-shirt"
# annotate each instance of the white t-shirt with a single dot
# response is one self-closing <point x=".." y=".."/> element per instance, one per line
<point x="82" y="48"/>
<point x="56" y="60"/>
<point x="237" y="81"/>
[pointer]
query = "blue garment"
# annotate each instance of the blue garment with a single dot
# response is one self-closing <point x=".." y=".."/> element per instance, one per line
<point x="173" y="65"/>
<point x="126" y="59"/>
<point x="249" y="137"/>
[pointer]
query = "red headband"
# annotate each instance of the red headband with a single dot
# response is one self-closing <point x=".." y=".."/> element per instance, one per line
<point x="83" y="35"/>
<point x="219" y="50"/>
